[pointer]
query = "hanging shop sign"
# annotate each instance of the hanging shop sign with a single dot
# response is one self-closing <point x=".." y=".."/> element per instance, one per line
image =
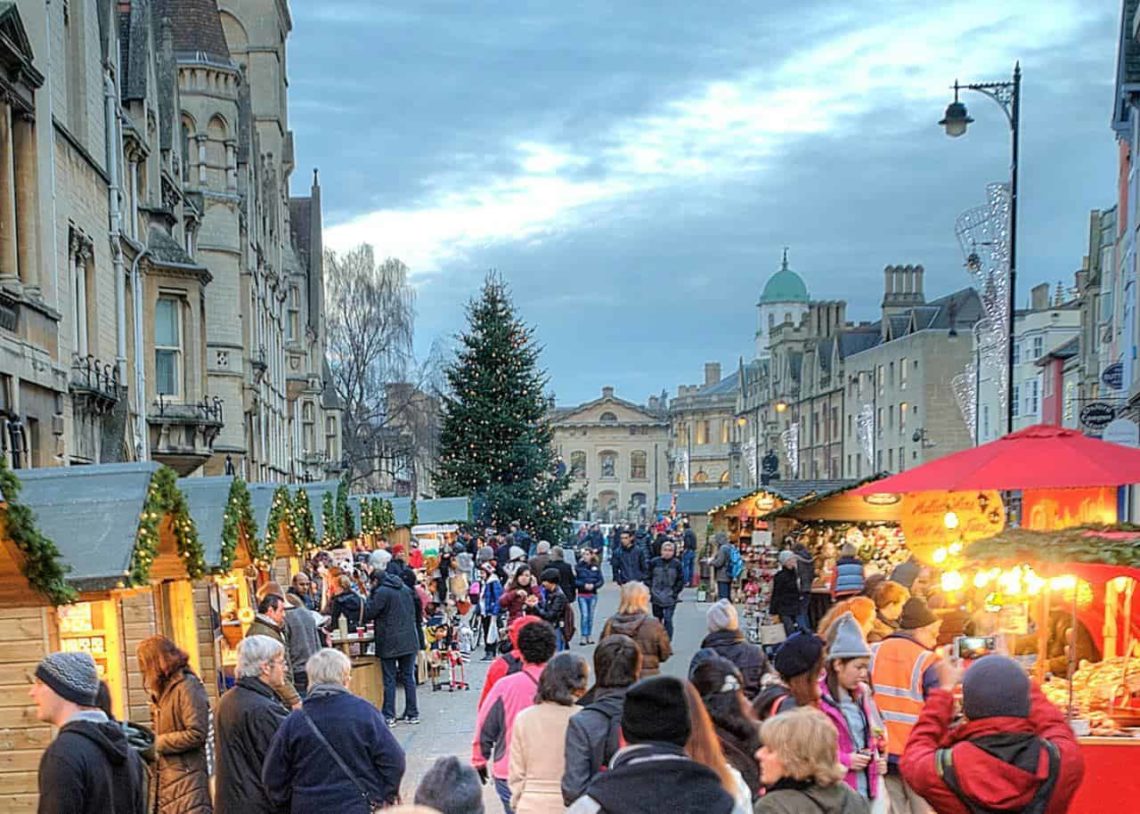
<point x="937" y="525"/>
<point x="1112" y="376"/>
<point x="1053" y="509"/>
<point x="1098" y="415"/>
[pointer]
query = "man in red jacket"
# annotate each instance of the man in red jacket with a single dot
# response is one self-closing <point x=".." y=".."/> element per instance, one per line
<point x="1014" y="752"/>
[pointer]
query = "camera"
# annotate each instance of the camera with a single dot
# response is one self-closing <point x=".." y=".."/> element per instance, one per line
<point x="974" y="647"/>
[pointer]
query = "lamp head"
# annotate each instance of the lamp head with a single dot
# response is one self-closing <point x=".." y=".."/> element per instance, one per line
<point x="957" y="118"/>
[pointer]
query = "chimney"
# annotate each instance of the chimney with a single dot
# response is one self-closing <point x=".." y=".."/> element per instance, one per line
<point x="712" y="373"/>
<point x="919" y="271"/>
<point x="653" y="404"/>
<point x="1039" y="297"/>
<point x="607" y="392"/>
<point x="888" y="282"/>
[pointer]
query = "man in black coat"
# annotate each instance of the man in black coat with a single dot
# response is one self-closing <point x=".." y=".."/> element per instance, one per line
<point x="552" y="605"/>
<point x="247" y="717"/>
<point x="630" y="562"/>
<point x="89" y="768"/>
<point x="666" y="581"/>
<point x="392" y="607"/>
<point x="567" y="580"/>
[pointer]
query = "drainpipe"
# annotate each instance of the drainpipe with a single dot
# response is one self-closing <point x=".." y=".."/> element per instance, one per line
<point x="114" y="145"/>
<point x="52" y="252"/>
<point x="142" y="447"/>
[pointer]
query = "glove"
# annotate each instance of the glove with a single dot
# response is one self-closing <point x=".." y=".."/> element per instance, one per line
<point x="482" y="770"/>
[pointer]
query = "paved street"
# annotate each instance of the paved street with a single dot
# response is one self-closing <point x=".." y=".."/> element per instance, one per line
<point x="449" y="718"/>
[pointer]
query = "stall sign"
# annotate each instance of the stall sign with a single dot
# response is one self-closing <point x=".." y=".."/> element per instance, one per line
<point x="1053" y="509"/>
<point x="937" y="521"/>
<point x="1113" y="376"/>
<point x="1098" y="415"/>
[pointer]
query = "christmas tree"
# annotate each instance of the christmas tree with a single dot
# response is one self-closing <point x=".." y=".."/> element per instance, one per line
<point x="496" y="438"/>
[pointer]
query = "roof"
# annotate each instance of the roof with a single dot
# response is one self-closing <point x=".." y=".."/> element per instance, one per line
<point x="261" y="499"/>
<point x="92" y="515"/>
<point x="728" y="385"/>
<point x="699" y="501"/>
<point x="163" y="250"/>
<point x="1130" y="56"/>
<point x="436" y="510"/>
<point x="857" y="341"/>
<point x="329" y="398"/>
<point x="196" y="27"/>
<point x="817" y="497"/>
<point x="784" y="286"/>
<point x="791" y="490"/>
<point x="207" y="499"/>
<point x="316" y="492"/>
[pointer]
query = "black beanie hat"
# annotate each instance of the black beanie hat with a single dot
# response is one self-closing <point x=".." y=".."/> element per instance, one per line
<point x="799" y="653"/>
<point x="995" y="686"/>
<point x="915" y="614"/>
<point x="655" y="709"/>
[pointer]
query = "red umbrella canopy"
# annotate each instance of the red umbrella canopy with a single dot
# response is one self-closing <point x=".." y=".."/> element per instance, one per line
<point x="1037" y="457"/>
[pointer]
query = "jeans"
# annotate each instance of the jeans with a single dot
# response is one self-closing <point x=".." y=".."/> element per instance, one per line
<point x="664" y="615"/>
<point x="724" y="590"/>
<point x="559" y="640"/>
<point x="688" y="559"/>
<point x="802" y="617"/>
<point x="301" y="683"/>
<point x="403" y="667"/>
<point x="504" y="792"/>
<point x="586" y="612"/>
<point x="790" y="624"/>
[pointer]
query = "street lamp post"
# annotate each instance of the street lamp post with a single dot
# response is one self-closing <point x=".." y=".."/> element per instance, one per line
<point x="957" y="119"/>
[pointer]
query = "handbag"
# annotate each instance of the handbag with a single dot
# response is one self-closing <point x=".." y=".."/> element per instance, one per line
<point x="772" y="632"/>
<point x="373" y="806"/>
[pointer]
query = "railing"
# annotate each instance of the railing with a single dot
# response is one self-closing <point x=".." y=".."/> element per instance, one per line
<point x="91" y="373"/>
<point x="207" y="410"/>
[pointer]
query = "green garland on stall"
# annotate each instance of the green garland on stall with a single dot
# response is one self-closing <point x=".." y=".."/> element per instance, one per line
<point x="330" y="531"/>
<point x="1085" y="544"/>
<point x="385" y="516"/>
<point x="345" y="521"/>
<point x="303" y="528"/>
<point x="280" y="511"/>
<point x="367" y="524"/>
<point x="413" y="514"/>
<point x="237" y="516"/>
<point x="43" y="566"/>
<point x="163" y="497"/>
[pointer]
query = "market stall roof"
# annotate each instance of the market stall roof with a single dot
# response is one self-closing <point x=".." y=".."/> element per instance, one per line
<point x="208" y="500"/>
<point x="316" y="492"/>
<point x="92" y="515"/>
<point x="698" y="501"/>
<point x="839" y="504"/>
<point x="261" y="496"/>
<point x="437" y="510"/>
<point x="1037" y="457"/>
<point x="1116" y="546"/>
<point x="789" y="491"/>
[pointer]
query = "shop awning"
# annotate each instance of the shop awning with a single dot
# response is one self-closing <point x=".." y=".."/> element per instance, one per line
<point x="1038" y="457"/>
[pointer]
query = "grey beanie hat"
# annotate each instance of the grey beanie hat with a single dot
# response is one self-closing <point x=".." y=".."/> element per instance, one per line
<point x="785" y="556"/>
<point x="73" y="677"/>
<point x="722" y="616"/>
<point x="995" y="686"/>
<point x="847" y="640"/>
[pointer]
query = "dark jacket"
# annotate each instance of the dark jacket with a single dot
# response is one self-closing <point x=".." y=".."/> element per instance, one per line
<point x="999" y="762"/>
<point x="301" y="600"/>
<point x="566" y="579"/>
<point x="301" y="776"/>
<point x="393" y="608"/>
<point x="666" y="581"/>
<point x="551" y="607"/>
<point x="805" y="568"/>
<point x="689" y="540"/>
<point x="589" y="575"/>
<point x="630" y="564"/>
<point x="181" y="716"/>
<point x="649" y="634"/>
<point x="593" y="737"/>
<point x="263" y="626"/>
<point x="647" y="778"/>
<point x="749" y="658"/>
<point x="538" y="564"/>
<point x="513" y="604"/>
<point x="791" y="797"/>
<point x="741" y="755"/>
<point x="347" y="604"/>
<point x="91" y="769"/>
<point x="785" y="594"/>
<point x="247" y="718"/>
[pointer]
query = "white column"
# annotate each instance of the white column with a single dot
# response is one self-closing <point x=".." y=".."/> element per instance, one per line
<point x="27" y="201"/>
<point x="80" y="272"/>
<point x="9" y="260"/>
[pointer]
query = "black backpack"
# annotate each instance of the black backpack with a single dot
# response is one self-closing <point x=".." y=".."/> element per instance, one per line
<point x="945" y="765"/>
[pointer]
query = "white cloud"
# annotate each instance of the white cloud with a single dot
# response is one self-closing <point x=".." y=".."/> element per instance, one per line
<point x="729" y="131"/>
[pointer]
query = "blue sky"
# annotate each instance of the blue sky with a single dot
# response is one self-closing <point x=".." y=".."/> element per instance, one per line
<point x="633" y="169"/>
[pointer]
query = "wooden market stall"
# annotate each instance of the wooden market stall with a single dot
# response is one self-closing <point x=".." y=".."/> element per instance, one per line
<point x="287" y="524"/>
<point x="223" y="515"/>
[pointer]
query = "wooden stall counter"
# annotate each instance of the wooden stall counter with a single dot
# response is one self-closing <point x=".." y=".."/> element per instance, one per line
<point x="1110" y="775"/>
<point x="367" y="674"/>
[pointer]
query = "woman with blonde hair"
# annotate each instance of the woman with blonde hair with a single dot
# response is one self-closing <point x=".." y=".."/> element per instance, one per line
<point x="799" y="765"/>
<point x="180" y="711"/>
<point x="861" y="607"/>
<point x="889" y="598"/>
<point x="704" y="747"/>
<point x="632" y="619"/>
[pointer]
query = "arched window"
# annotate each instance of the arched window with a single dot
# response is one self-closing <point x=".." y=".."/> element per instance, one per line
<point x="608" y="461"/>
<point x="608" y="418"/>
<point x="188" y="158"/>
<point x="578" y="464"/>
<point x="701" y="477"/>
<point x="724" y="478"/>
<point x="638" y="465"/>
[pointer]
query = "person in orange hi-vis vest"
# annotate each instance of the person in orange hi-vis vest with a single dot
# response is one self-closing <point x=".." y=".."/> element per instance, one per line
<point x="903" y="670"/>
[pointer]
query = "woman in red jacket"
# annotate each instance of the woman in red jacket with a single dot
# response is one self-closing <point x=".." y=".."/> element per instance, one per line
<point x="520" y="595"/>
<point x="1035" y="765"/>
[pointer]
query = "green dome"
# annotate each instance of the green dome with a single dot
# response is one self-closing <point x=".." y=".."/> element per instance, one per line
<point x="784" y="286"/>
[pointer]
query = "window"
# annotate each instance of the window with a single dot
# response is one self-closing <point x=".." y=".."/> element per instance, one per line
<point x="186" y="159"/>
<point x="1048" y="383"/>
<point x="330" y="438"/>
<point x="578" y="464"/>
<point x="703" y="432"/>
<point x="1017" y="353"/>
<point x="724" y="478"/>
<point x="902" y="416"/>
<point x="902" y="374"/>
<point x="607" y="418"/>
<point x="834" y="423"/>
<point x="1038" y="346"/>
<point x="902" y="459"/>
<point x="850" y="427"/>
<point x="879" y="459"/>
<point x="985" y="421"/>
<point x="1032" y="402"/>
<point x="701" y="477"/>
<point x="608" y="462"/>
<point x="891" y="375"/>
<point x="879" y="426"/>
<point x="1016" y="397"/>
<point x="638" y="465"/>
<point x="308" y="427"/>
<point x="890" y="416"/>
<point x="168" y="346"/>
<point x="292" y="324"/>
<point x="890" y="459"/>
<point x="881" y="380"/>
<point x="725" y="431"/>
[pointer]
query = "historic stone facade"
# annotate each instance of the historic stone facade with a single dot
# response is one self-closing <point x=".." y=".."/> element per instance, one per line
<point x="704" y="439"/>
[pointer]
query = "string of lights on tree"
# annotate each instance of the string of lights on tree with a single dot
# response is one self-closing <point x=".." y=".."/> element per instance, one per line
<point x="496" y="441"/>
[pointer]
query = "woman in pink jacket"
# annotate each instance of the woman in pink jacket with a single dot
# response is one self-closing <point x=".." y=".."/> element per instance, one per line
<point x="846" y="701"/>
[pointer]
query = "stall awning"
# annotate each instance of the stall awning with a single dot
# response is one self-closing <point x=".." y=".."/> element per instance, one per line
<point x="840" y="505"/>
<point x="786" y="491"/>
<point x="699" y="501"/>
<point x="209" y="500"/>
<point x="317" y="492"/>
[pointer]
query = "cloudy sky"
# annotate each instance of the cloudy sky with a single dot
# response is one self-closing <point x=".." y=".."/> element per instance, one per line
<point x="633" y="169"/>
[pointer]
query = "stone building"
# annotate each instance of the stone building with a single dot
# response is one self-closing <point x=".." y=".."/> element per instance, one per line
<point x="616" y="450"/>
<point x="147" y="255"/>
<point x="704" y="439"/>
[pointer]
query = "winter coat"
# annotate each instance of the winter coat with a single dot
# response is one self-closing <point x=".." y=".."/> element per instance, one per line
<point x="513" y="604"/>
<point x="303" y="638"/>
<point x="301" y="776"/>
<point x="247" y="717"/>
<point x="749" y="658"/>
<point x="538" y="564"/>
<point x="881" y="629"/>
<point x="551" y="607"/>
<point x="392" y="607"/>
<point x="490" y="594"/>
<point x="593" y="737"/>
<point x="666" y="581"/>
<point x="349" y="605"/>
<point x="495" y="722"/>
<point x="537" y="758"/>
<point x="647" y="778"/>
<point x="847" y="745"/>
<point x="264" y="626"/>
<point x="848" y="577"/>
<point x="993" y="765"/>
<point x="91" y="769"/>
<point x="722" y="563"/>
<point x="181" y="716"/>
<point x="589" y="575"/>
<point x="566" y="579"/>
<point x="649" y="634"/>
<point x="805" y="568"/>
<point x="630" y="564"/>
<point x="689" y="540"/>
<point x="741" y="755"/>
<point x="785" y="594"/>
<point x="797" y="798"/>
